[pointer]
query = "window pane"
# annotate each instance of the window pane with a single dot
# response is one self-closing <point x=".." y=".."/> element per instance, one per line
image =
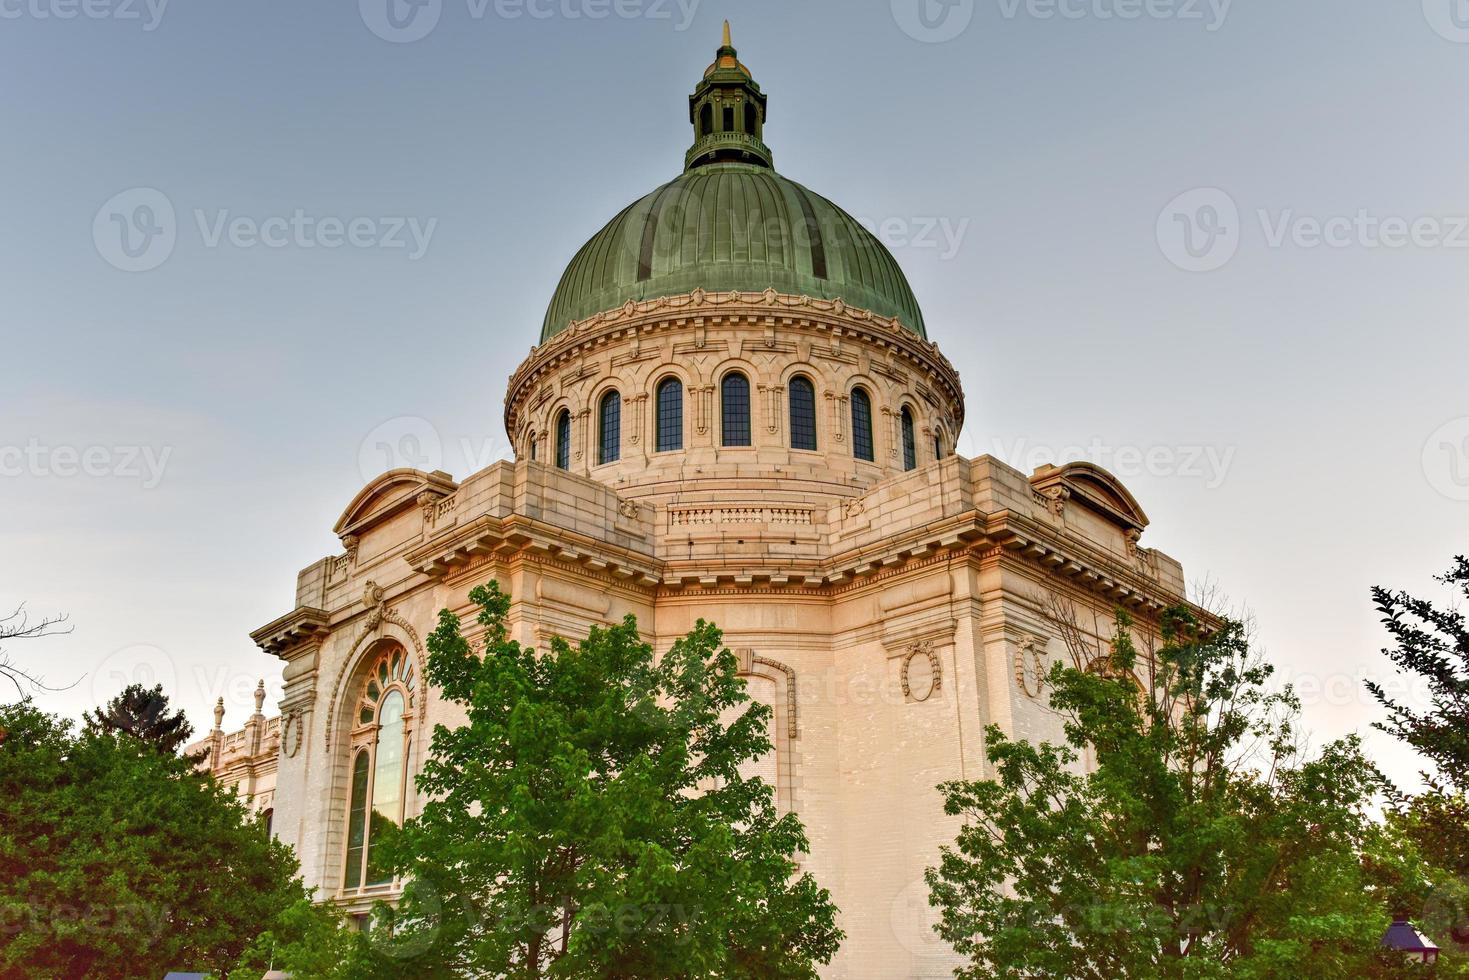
<point x="609" y="419"/>
<point x="357" y="820"/>
<point x="670" y="415"/>
<point x="563" y="440"/>
<point x="387" y="781"/>
<point x="910" y="452"/>
<point x="734" y="400"/>
<point x="861" y="425"/>
<point x="803" y="414"/>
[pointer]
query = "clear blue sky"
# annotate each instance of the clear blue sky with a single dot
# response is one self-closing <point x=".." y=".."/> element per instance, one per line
<point x="1023" y="170"/>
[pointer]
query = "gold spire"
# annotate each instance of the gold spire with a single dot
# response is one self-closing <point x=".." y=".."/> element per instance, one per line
<point x="727" y="43"/>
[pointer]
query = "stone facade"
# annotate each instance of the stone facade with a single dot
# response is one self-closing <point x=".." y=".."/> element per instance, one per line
<point x="886" y="608"/>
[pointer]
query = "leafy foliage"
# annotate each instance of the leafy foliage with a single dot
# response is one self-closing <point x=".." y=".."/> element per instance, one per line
<point x="591" y="820"/>
<point x="142" y="713"/>
<point x="1434" y="644"/>
<point x="120" y="860"/>
<point x="1199" y="845"/>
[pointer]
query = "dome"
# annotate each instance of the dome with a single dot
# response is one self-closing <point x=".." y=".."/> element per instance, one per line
<point x="730" y="222"/>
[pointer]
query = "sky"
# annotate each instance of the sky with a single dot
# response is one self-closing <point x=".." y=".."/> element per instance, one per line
<point x="1216" y="247"/>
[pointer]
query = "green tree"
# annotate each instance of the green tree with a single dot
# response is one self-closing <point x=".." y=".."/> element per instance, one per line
<point x="590" y="819"/>
<point x="118" y="860"/>
<point x="1199" y="844"/>
<point x="142" y="713"/>
<point x="1434" y="644"/>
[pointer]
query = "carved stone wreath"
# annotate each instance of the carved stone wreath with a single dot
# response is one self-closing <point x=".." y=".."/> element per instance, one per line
<point x="924" y="648"/>
<point x="291" y="734"/>
<point x="1034" y="647"/>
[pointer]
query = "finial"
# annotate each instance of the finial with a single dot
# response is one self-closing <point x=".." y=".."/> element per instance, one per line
<point x="260" y="696"/>
<point x="218" y="714"/>
<point x="727" y="42"/>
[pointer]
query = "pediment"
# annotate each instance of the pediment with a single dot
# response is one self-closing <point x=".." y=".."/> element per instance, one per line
<point x="1093" y="487"/>
<point x="390" y="494"/>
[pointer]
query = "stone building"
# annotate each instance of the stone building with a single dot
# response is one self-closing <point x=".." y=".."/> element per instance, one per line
<point x="734" y="413"/>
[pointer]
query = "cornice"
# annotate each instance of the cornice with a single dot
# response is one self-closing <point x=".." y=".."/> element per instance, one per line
<point x="299" y="627"/>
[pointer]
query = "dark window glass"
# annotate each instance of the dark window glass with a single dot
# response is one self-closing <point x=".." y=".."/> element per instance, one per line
<point x="563" y="440"/>
<point x="938" y="448"/>
<point x="729" y="119"/>
<point x="532" y="447"/>
<point x="734" y="403"/>
<point x="706" y="119"/>
<point x="670" y="415"/>
<point x="751" y="117"/>
<point x="609" y="421"/>
<point x="861" y="425"/>
<point x="803" y="414"/>
<point x="910" y="451"/>
<point x="357" y="820"/>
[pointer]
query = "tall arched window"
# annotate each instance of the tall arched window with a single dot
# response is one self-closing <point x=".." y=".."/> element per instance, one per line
<point x="706" y="119"/>
<point x="670" y="415"/>
<point x="563" y="440"/>
<point x="609" y="425"/>
<point x="862" y="424"/>
<point x="938" y="446"/>
<point x="751" y="117"/>
<point x="734" y="410"/>
<point x="803" y="413"/>
<point x="380" y="763"/>
<point x="532" y="447"/>
<point x="910" y="451"/>
<point x="729" y="126"/>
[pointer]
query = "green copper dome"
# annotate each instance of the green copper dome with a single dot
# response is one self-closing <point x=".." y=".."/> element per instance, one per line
<point x="731" y="222"/>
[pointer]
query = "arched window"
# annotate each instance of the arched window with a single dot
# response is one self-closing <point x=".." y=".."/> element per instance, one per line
<point x="563" y="440"/>
<point x="734" y="410"/>
<point x="803" y="413"/>
<point x="862" y="424"/>
<point x="609" y="424"/>
<point x="532" y="447"/>
<point x="670" y="415"/>
<point x="910" y="451"/>
<point x="938" y="446"/>
<point x="706" y="119"/>
<point x="380" y="765"/>
<point x="729" y="126"/>
<point x="751" y="118"/>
